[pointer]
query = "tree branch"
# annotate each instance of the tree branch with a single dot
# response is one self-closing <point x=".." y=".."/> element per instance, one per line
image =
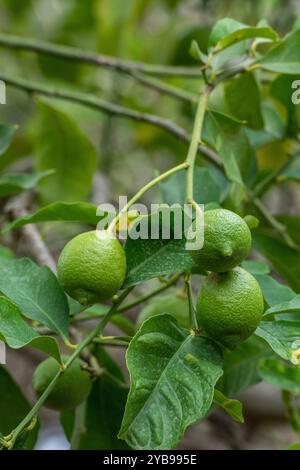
<point x="110" y="108"/>
<point x="81" y="55"/>
<point x="38" y="249"/>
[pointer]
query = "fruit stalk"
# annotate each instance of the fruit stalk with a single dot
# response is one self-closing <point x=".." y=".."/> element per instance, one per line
<point x="144" y="189"/>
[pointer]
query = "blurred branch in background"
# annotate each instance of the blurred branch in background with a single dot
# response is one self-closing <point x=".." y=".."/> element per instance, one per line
<point x="110" y="108"/>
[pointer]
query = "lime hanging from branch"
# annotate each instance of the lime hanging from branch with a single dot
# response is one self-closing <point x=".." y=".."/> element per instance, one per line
<point x="92" y="267"/>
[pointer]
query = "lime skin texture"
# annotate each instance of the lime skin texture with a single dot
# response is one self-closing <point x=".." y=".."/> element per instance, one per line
<point x="227" y="241"/>
<point x="71" y="389"/>
<point x="92" y="267"/>
<point x="175" y="305"/>
<point x="230" y="306"/>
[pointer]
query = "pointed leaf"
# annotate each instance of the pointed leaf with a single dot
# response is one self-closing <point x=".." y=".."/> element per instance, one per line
<point x="37" y="293"/>
<point x="233" y="407"/>
<point x="173" y="374"/>
<point x="60" y="145"/>
<point x="16" y="182"/>
<point x="285" y="260"/>
<point x="60" y="211"/>
<point x="6" y="135"/>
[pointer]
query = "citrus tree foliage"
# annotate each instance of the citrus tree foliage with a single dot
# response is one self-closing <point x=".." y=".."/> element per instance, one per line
<point x="247" y="144"/>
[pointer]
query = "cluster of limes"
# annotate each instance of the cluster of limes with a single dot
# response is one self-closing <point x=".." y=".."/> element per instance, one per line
<point x="230" y="303"/>
<point x="92" y="268"/>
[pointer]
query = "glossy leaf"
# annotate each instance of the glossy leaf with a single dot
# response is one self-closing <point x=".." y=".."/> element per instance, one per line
<point x="149" y="258"/>
<point x="173" y="374"/>
<point x="17" y="333"/>
<point x="60" y="145"/>
<point x="60" y="211"/>
<point x="35" y="290"/>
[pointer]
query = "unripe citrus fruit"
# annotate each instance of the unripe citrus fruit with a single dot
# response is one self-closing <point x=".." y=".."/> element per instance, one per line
<point x="230" y="306"/>
<point x="173" y="304"/>
<point x="71" y="389"/>
<point x="227" y="241"/>
<point x="92" y="267"/>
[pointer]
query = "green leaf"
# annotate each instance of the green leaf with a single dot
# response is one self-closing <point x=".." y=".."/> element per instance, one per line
<point x="233" y="407"/>
<point x="173" y="374"/>
<point x="229" y="139"/>
<point x="103" y="410"/>
<point x="240" y="366"/>
<point x="16" y="182"/>
<point x="17" y="333"/>
<point x="243" y="100"/>
<point x="149" y="258"/>
<point x="13" y="407"/>
<point x="295" y="446"/>
<point x="35" y="290"/>
<point x="289" y="306"/>
<point x="285" y="57"/>
<point x="60" y="211"/>
<point x="282" y="336"/>
<point x="6" y="252"/>
<point x="207" y="187"/>
<point x="291" y="171"/>
<point x="280" y="375"/>
<point x="196" y="52"/>
<point x="6" y="135"/>
<point x="292" y="222"/>
<point x="285" y="259"/>
<point x="60" y="145"/>
<point x="281" y="89"/>
<point x="228" y="31"/>
<point x="255" y="267"/>
<point x="273" y="291"/>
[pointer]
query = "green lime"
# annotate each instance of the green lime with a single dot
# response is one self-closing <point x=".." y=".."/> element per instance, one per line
<point x="227" y="241"/>
<point x="230" y="306"/>
<point x="173" y="304"/>
<point x="92" y="267"/>
<point x="71" y="389"/>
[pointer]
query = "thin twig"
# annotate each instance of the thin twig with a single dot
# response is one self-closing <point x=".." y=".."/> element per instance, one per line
<point x="151" y="294"/>
<point x="280" y="228"/>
